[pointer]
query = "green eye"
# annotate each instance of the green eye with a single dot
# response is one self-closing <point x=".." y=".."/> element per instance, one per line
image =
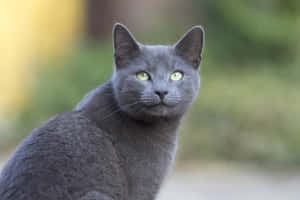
<point x="143" y="76"/>
<point x="176" y="76"/>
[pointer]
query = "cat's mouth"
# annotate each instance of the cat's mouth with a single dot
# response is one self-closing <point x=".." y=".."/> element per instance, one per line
<point x="159" y="109"/>
<point x="166" y="104"/>
<point x="160" y="104"/>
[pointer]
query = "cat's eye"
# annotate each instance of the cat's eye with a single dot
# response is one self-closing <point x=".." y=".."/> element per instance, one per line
<point x="143" y="76"/>
<point x="176" y="76"/>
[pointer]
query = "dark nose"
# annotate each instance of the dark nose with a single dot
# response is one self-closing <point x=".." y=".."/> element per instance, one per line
<point x="161" y="93"/>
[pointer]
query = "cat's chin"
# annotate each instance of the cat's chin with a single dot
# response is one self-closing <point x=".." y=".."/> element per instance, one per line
<point x="160" y="111"/>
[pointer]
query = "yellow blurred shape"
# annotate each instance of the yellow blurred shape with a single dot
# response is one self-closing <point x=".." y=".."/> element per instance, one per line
<point x="32" y="30"/>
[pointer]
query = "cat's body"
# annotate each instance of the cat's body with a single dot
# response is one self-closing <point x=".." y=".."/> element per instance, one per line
<point x="119" y="142"/>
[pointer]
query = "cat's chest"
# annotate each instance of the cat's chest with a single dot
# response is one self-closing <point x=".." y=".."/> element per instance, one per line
<point x="145" y="161"/>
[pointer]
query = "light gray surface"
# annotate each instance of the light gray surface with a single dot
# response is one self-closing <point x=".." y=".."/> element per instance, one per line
<point x="229" y="183"/>
<point x="233" y="183"/>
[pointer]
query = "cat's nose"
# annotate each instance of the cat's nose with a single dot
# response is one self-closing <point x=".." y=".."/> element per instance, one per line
<point x="161" y="93"/>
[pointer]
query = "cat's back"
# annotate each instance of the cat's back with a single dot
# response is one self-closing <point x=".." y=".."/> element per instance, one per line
<point x="69" y="157"/>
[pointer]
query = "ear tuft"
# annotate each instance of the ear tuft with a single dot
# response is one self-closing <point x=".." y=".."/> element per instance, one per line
<point x="125" y="45"/>
<point x="190" y="46"/>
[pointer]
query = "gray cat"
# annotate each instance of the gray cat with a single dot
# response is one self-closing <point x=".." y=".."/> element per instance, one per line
<point x="120" y="141"/>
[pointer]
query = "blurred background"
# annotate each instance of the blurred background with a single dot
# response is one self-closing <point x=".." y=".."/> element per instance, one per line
<point x="242" y="136"/>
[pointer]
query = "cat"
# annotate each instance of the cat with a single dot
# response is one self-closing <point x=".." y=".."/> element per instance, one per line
<point x="120" y="141"/>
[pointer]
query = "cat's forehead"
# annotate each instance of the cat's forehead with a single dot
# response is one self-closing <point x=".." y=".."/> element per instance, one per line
<point x="157" y="50"/>
<point x="155" y="54"/>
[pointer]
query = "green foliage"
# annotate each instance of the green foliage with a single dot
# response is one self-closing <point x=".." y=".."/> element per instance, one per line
<point x="245" y="115"/>
<point x="264" y="30"/>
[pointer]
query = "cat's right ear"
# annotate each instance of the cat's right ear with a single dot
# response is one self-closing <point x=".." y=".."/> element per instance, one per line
<point x="125" y="45"/>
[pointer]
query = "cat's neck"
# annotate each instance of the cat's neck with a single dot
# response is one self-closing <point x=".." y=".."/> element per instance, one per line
<point x="101" y="106"/>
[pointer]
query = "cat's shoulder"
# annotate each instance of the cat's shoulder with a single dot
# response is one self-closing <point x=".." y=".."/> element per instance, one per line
<point x="70" y="134"/>
<point x="69" y="124"/>
<point x="69" y="131"/>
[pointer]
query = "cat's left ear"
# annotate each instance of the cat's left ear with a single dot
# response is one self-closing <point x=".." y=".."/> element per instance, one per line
<point x="125" y="45"/>
<point x="190" y="46"/>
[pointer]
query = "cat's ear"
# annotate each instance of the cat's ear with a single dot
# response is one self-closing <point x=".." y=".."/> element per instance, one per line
<point x="190" y="46"/>
<point x="125" y="45"/>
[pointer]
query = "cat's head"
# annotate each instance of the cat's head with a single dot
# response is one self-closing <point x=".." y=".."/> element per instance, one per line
<point x="153" y="81"/>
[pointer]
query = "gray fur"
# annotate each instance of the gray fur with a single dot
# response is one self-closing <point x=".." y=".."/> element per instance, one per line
<point x="120" y="141"/>
<point x="95" y="196"/>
